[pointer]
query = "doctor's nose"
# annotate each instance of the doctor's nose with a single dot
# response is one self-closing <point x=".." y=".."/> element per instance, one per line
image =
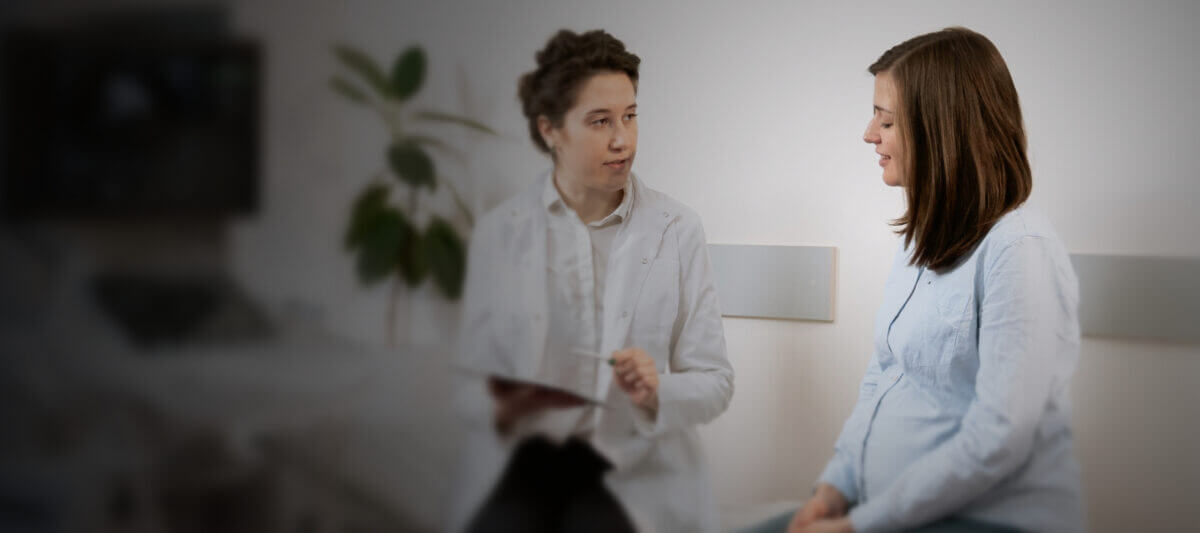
<point x="618" y="141"/>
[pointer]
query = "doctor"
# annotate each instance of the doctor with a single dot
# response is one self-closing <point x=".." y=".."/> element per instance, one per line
<point x="590" y="259"/>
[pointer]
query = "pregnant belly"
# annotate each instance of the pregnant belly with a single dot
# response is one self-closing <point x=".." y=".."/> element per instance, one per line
<point x="908" y="424"/>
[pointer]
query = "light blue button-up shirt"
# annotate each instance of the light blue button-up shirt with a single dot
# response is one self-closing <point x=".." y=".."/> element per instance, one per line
<point x="964" y="407"/>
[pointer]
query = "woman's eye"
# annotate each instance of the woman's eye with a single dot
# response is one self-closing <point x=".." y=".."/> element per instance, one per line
<point x="631" y="116"/>
<point x="886" y="125"/>
<point x="600" y="122"/>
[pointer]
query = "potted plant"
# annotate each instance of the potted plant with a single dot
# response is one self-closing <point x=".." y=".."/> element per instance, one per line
<point x="383" y="233"/>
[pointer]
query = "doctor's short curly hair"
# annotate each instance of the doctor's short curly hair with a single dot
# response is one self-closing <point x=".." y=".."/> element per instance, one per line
<point x="563" y="65"/>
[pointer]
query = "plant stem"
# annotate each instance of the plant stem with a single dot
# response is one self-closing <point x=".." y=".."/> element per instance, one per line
<point x="391" y="311"/>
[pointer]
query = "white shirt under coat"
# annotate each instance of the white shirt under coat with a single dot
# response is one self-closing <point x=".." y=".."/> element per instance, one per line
<point x="577" y="263"/>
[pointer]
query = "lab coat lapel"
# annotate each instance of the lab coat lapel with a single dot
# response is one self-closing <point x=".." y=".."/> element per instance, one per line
<point x="531" y="272"/>
<point x="634" y="251"/>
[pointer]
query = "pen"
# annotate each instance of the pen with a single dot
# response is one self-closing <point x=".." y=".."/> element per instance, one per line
<point x="593" y="355"/>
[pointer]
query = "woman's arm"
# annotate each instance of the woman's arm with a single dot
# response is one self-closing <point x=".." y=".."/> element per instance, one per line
<point x="841" y="471"/>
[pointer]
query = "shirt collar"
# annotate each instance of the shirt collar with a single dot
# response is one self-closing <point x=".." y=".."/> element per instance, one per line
<point x="552" y="201"/>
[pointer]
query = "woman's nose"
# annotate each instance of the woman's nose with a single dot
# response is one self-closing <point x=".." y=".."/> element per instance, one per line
<point x="871" y="136"/>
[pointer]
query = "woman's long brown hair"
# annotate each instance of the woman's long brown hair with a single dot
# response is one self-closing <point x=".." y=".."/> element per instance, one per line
<point x="964" y="142"/>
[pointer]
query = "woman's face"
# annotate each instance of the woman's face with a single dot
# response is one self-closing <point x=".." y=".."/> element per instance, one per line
<point x="595" y="146"/>
<point x="883" y="133"/>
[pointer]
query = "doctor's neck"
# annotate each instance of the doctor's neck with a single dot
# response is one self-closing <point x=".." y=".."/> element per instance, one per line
<point x="590" y="203"/>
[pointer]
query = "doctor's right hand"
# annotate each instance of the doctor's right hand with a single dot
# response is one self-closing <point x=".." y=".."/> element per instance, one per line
<point x="517" y="400"/>
<point x="826" y="502"/>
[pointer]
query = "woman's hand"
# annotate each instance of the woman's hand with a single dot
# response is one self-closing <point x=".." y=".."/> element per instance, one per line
<point x="517" y="400"/>
<point x="837" y="525"/>
<point x="635" y="373"/>
<point x="826" y="503"/>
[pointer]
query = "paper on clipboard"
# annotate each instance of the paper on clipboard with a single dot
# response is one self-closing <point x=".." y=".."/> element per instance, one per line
<point x="562" y="373"/>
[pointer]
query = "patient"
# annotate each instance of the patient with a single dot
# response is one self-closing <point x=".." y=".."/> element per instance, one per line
<point x="963" y="417"/>
<point x="591" y="305"/>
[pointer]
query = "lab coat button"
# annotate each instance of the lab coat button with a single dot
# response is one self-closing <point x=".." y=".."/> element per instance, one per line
<point x="624" y="314"/>
<point x="666" y="214"/>
<point x="645" y="260"/>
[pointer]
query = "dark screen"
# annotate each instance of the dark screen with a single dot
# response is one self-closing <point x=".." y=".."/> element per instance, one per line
<point x="96" y="127"/>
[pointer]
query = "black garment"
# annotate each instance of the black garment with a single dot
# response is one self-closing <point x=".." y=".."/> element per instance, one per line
<point x="551" y="488"/>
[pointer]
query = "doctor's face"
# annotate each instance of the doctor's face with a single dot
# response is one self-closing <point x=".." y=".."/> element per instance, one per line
<point x="883" y="133"/>
<point x="595" y="146"/>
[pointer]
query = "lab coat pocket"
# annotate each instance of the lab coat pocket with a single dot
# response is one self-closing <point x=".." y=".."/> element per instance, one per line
<point x="657" y="306"/>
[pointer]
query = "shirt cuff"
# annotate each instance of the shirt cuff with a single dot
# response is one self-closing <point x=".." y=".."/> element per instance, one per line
<point x="646" y="421"/>
<point x="871" y="517"/>
<point x="841" y="478"/>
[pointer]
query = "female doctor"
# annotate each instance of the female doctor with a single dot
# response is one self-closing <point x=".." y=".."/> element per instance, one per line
<point x="963" y="417"/>
<point x="589" y="259"/>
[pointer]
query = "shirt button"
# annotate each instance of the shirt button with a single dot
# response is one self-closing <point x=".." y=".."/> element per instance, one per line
<point x="666" y="214"/>
<point x="645" y="260"/>
<point x="624" y="314"/>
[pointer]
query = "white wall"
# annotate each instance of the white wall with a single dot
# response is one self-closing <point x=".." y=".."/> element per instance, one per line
<point x="753" y="115"/>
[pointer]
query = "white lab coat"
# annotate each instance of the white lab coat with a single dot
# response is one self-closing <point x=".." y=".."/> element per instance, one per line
<point x="659" y="296"/>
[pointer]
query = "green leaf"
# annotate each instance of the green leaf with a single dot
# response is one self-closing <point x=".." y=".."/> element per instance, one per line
<point x="370" y="202"/>
<point x="438" y="116"/>
<point x="408" y="73"/>
<point x="447" y="257"/>
<point x="410" y="162"/>
<point x="348" y="90"/>
<point x="387" y="233"/>
<point x="364" y="66"/>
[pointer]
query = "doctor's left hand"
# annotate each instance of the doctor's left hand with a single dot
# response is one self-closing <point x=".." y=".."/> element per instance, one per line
<point x="635" y="372"/>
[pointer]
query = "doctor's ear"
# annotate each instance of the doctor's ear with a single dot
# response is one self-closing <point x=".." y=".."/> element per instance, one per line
<point x="549" y="133"/>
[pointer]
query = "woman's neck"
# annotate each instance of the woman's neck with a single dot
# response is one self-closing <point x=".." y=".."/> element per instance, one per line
<point x="590" y="204"/>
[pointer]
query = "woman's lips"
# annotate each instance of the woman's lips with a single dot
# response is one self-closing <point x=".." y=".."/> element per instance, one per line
<point x="616" y="165"/>
<point x="884" y="160"/>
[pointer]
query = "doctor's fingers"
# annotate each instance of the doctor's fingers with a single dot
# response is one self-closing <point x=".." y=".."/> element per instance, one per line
<point x="632" y="353"/>
<point x="647" y="374"/>
<point x="633" y="368"/>
<point x="630" y="381"/>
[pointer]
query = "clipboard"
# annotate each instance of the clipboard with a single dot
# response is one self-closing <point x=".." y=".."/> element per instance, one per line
<point x="481" y="369"/>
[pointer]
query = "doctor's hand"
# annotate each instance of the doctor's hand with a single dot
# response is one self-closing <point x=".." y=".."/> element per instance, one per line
<point x="517" y="400"/>
<point x="826" y="503"/>
<point x="635" y="373"/>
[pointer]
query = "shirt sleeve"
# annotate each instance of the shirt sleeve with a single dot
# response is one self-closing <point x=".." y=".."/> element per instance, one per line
<point x="700" y="384"/>
<point x="842" y="470"/>
<point x="1023" y="309"/>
